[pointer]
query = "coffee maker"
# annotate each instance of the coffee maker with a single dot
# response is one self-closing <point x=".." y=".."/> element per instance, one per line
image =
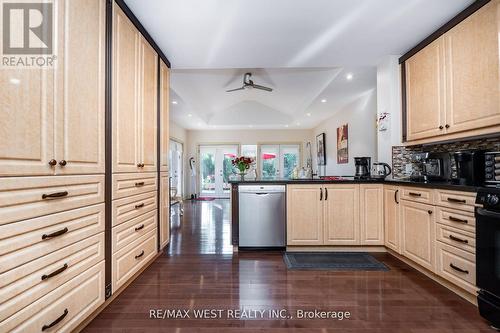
<point x="470" y="167"/>
<point x="362" y="165"/>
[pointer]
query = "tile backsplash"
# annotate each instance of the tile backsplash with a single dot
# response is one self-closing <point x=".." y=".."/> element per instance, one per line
<point x="401" y="155"/>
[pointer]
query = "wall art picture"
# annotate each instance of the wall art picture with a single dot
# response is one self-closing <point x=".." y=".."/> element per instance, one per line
<point x="342" y="144"/>
<point x="320" y="149"/>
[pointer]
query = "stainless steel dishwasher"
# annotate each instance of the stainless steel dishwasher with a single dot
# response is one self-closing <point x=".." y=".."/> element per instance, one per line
<point x="262" y="216"/>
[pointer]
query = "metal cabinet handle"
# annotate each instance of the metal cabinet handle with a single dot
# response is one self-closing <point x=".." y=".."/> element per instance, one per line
<point x="458" y="269"/>
<point x="429" y="211"/>
<point x="55" y="322"/>
<point x="139" y="227"/>
<point x="139" y="205"/>
<point x="413" y="194"/>
<point x="456" y="200"/>
<point x="54" y="273"/>
<point x="326" y="194"/>
<point x="55" y="195"/>
<point x="62" y="163"/>
<point x="140" y="165"/>
<point x="139" y="184"/>
<point x="52" y="162"/>
<point x="396" y="196"/>
<point x="456" y="239"/>
<point x="454" y="219"/>
<point x="139" y="255"/>
<point x="441" y="127"/>
<point x="447" y="126"/>
<point x="320" y="194"/>
<point x="55" y="234"/>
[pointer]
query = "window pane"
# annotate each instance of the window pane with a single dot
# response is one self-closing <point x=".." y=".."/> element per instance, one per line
<point x="249" y="151"/>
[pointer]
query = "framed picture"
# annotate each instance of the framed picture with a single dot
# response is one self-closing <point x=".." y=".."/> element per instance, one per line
<point x="342" y="144"/>
<point x="321" y="149"/>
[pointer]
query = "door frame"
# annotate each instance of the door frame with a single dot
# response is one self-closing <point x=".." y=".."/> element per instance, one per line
<point x="183" y="164"/>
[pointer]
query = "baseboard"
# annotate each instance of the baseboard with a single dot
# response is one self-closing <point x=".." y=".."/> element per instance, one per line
<point x="336" y="248"/>
<point x="457" y="290"/>
<point x="89" y="319"/>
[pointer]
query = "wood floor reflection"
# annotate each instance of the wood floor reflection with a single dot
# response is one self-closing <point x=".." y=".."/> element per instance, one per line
<point x="199" y="271"/>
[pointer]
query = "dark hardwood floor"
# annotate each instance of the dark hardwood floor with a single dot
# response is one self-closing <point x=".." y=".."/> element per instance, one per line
<point x="199" y="271"/>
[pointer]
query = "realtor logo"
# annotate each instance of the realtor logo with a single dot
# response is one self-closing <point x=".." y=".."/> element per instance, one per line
<point x="27" y="34"/>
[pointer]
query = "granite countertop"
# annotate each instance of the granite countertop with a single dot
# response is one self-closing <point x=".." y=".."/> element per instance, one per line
<point x="352" y="180"/>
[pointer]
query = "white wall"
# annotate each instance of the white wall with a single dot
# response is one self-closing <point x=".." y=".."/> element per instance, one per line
<point x="177" y="132"/>
<point x="360" y="115"/>
<point x="389" y="100"/>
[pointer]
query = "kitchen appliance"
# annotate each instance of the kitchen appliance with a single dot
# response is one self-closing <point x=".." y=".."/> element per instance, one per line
<point x="488" y="254"/>
<point x="470" y="167"/>
<point x="362" y="165"/>
<point x="262" y="216"/>
<point x="436" y="166"/>
<point x="380" y="170"/>
<point x="492" y="169"/>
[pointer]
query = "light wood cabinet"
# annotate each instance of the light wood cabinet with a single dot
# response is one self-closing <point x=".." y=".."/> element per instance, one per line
<point x="392" y="225"/>
<point x="164" y="210"/>
<point x="304" y="215"/>
<point x="418" y="233"/>
<point x="341" y="211"/>
<point x="164" y="116"/>
<point x="371" y="203"/>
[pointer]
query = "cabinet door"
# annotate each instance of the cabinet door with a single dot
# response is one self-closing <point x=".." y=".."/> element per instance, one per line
<point x="392" y="227"/>
<point x="425" y="92"/>
<point x="125" y="94"/>
<point x="148" y="106"/>
<point x="164" y="210"/>
<point x="79" y="121"/>
<point x="418" y="233"/>
<point x="371" y="210"/>
<point x="472" y="54"/>
<point x="304" y="215"/>
<point x="341" y="206"/>
<point x="164" y="115"/>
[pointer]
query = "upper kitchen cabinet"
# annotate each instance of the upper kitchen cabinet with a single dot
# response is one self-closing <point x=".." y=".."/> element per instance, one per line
<point x="452" y="85"/>
<point x="134" y="98"/>
<point x="79" y="116"/>
<point x="164" y="115"/>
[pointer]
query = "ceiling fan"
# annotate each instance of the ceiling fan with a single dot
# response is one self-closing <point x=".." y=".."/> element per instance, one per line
<point x="248" y="84"/>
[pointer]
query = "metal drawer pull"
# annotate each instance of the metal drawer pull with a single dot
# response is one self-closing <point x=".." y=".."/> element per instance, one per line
<point x="55" y="234"/>
<point x="456" y="200"/>
<point x="55" y="322"/>
<point x="55" y="195"/>
<point x="139" y="227"/>
<point x="456" y="239"/>
<point x="326" y="193"/>
<point x="454" y="219"/>
<point x="320" y="194"/>
<point x="54" y="273"/>
<point x="413" y="194"/>
<point x="458" y="269"/>
<point x="396" y="196"/>
<point x="139" y="184"/>
<point x="139" y="205"/>
<point x="139" y="255"/>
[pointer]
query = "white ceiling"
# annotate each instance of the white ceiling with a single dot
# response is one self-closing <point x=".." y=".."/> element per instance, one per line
<point x="289" y="33"/>
<point x="301" y="48"/>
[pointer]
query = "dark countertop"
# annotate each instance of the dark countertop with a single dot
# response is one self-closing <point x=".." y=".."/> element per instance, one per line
<point x="351" y="180"/>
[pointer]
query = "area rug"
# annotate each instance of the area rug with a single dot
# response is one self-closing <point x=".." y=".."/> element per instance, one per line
<point x="335" y="261"/>
<point x="204" y="199"/>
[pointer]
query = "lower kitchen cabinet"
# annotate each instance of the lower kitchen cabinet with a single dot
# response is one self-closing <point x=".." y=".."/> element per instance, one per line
<point x="371" y="214"/>
<point x="304" y="215"/>
<point x="418" y="233"/>
<point x="164" y="207"/>
<point x="392" y="226"/>
<point x="341" y="215"/>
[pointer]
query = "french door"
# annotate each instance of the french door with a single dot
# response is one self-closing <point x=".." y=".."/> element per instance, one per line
<point x="215" y="170"/>
<point x="278" y="161"/>
<point x="176" y="165"/>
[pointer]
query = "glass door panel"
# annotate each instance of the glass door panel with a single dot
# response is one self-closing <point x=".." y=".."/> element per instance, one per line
<point x="215" y="170"/>
<point x="207" y="171"/>
<point x="289" y="159"/>
<point x="269" y="161"/>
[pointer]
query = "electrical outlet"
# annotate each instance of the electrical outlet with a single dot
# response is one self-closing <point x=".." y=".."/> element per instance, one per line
<point x="408" y="169"/>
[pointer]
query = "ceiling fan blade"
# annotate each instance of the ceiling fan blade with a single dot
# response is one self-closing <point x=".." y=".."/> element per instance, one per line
<point x="256" y="86"/>
<point x="231" y="90"/>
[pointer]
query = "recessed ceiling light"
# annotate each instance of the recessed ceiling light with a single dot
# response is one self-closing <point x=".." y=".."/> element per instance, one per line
<point x="349" y="76"/>
<point x="286" y="125"/>
<point x="190" y="115"/>
<point x="308" y="114"/>
<point x="15" y="81"/>
<point x="174" y="102"/>
<point x="323" y="101"/>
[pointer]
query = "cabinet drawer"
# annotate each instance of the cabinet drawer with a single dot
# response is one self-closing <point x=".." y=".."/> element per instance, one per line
<point x="77" y="299"/>
<point x="127" y="261"/>
<point x="127" y="184"/>
<point x="24" y="241"/>
<point x="129" y="231"/>
<point x="456" y="266"/>
<point x="457" y="200"/>
<point x="27" y="197"/>
<point x="461" y="220"/>
<point x="418" y="195"/>
<point x="130" y="207"/>
<point x="25" y="284"/>
<point x="455" y="237"/>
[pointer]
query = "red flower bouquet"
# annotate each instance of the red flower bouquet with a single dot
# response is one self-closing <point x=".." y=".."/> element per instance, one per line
<point x="242" y="163"/>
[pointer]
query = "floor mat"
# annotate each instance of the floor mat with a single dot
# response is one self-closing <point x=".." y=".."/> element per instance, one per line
<point x="204" y="199"/>
<point x="335" y="261"/>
